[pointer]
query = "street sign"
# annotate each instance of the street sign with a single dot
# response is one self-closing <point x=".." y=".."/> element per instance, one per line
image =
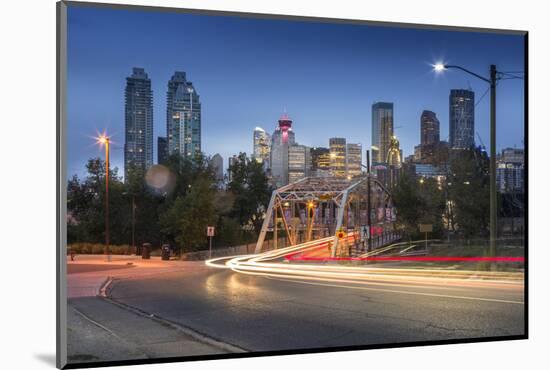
<point x="210" y="234"/>
<point x="340" y="234"/>
<point x="425" y="228"/>
<point x="210" y="231"/>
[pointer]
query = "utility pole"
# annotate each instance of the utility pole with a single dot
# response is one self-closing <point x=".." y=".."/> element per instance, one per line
<point x="493" y="168"/>
<point x="368" y="203"/>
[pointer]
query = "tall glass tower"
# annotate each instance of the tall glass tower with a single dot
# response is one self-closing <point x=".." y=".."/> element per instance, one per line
<point x="183" y="117"/>
<point x="461" y="119"/>
<point x="261" y="146"/>
<point x="382" y="131"/>
<point x="282" y="138"/>
<point x="138" y="114"/>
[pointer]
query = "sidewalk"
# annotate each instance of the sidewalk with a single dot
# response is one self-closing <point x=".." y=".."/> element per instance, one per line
<point x="87" y="273"/>
<point x="102" y="330"/>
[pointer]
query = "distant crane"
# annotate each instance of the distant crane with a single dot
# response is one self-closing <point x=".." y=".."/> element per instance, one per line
<point x="480" y="141"/>
<point x="395" y="128"/>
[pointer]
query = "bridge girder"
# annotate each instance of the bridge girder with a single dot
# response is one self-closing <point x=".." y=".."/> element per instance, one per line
<point x="325" y="202"/>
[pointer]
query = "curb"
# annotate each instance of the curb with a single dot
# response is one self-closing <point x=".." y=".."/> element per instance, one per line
<point x="200" y="337"/>
<point x="104" y="286"/>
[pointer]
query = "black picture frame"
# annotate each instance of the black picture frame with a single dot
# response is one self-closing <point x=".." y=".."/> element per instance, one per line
<point x="61" y="286"/>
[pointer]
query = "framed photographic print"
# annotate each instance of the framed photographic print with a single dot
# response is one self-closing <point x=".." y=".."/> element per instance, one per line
<point x="235" y="184"/>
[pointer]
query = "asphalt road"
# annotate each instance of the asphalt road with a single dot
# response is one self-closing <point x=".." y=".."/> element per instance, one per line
<point x="259" y="313"/>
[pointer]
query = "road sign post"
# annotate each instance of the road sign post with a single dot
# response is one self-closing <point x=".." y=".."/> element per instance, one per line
<point x="425" y="228"/>
<point x="210" y="234"/>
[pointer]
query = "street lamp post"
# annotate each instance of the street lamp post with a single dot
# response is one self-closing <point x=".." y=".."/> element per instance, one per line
<point x="104" y="140"/>
<point x="492" y="153"/>
<point x="133" y="222"/>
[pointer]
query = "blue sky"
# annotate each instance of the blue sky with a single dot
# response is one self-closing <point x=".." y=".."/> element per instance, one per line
<point x="247" y="71"/>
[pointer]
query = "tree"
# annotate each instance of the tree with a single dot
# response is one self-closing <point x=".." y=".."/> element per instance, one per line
<point x="432" y="193"/>
<point x="409" y="203"/>
<point x="469" y="191"/>
<point x="186" y="220"/>
<point x="178" y="213"/>
<point x="249" y="184"/>
<point x="86" y="206"/>
<point x="185" y="171"/>
<point x="145" y="202"/>
<point x="419" y="201"/>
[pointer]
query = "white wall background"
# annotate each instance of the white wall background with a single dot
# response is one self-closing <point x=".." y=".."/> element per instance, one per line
<point x="27" y="180"/>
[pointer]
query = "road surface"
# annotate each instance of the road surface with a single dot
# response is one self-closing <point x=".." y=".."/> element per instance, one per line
<point x="101" y="330"/>
<point x="267" y="313"/>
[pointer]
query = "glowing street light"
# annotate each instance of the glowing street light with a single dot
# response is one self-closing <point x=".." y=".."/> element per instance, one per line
<point x="438" y="67"/>
<point x="103" y="139"/>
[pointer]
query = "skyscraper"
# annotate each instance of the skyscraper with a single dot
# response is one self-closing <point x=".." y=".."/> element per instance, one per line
<point x="353" y="159"/>
<point x="393" y="158"/>
<point x="512" y="155"/>
<point x="461" y="119"/>
<point x="162" y="149"/>
<point x="511" y="171"/>
<point x="382" y="130"/>
<point x="217" y="165"/>
<point x="429" y="136"/>
<point x="138" y="117"/>
<point x="320" y="162"/>
<point x="429" y="128"/>
<point x="183" y="117"/>
<point x="337" y="146"/>
<point x="231" y="162"/>
<point x="282" y="138"/>
<point x="261" y="146"/>
<point x="299" y="162"/>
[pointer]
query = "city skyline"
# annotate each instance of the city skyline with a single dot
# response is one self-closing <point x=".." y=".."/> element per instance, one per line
<point x="323" y="103"/>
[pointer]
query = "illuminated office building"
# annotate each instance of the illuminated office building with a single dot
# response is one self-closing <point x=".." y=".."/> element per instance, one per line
<point x="138" y="119"/>
<point x="461" y="119"/>
<point x="429" y="136"/>
<point x="382" y="130"/>
<point x="353" y="159"/>
<point x="320" y="162"/>
<point x="183" y="117"/>
<point x="261" y="146"/>
<point x="337" y="147"/>
<point x="299" y="162"/>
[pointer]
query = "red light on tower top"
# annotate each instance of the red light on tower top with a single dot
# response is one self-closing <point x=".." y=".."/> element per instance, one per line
<point x="285" y="124"/>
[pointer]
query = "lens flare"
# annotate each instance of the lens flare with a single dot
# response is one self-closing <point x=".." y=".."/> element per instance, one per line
<point x="160" y="178"/>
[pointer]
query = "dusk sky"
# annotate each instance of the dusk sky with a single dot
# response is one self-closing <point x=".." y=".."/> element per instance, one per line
<point x="247" y="71"/>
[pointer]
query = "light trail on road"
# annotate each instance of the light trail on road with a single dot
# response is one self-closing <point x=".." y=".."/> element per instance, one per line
<point x="268" y="265"/>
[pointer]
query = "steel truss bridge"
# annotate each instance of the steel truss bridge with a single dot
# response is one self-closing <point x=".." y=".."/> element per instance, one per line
<point x="334" y="212"/>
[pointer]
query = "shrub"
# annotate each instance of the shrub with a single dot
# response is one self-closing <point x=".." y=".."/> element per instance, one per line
<point x="95" y="248"/>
